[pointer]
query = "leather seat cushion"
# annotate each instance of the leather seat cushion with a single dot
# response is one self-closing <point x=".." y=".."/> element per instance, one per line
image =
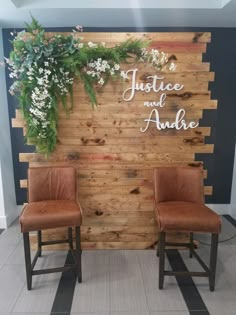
<point x="187" y="217"/>
<point x="50" y="214"/>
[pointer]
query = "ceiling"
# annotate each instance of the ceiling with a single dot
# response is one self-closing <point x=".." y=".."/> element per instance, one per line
<point x="122" y="13"/>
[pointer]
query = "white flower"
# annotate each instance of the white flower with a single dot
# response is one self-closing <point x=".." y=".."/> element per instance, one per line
<point x="79" y="28"/>
<point x="116" y="66"/>
<point x="92" y="45"/>
<point x="47" y="72"/>
<point x="81" y="45"/>
<point x="172" y="67"/>
<point x="124" y="74"/>
<point x="40" y="81"/>
<point x="101" y="81"/>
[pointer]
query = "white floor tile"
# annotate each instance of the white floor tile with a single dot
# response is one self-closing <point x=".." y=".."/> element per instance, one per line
<point x="94" y="313"/>
<point x="5" y="251"/>
<point x="92" y="295"/>
<point x="224" y="309"/>
<point x="11" y="284"/>
<point x="129" y="313"/>
<point x="16" y="257"/>
<point x="123" y="257"/>
<point x="126" y="284"/>
<point x="171" y="313"/>
<point x="12" y="235"/>
<point x="98" y="256"/>
<point x="27" y="313"/>
<point x="146" y="257"/>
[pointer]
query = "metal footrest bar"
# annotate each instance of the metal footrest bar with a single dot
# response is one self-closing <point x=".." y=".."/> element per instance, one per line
<point x="186" y="273"/>
<point x="54" y="242"/>
<point x="53" y="270"/>
<point x="178" y="244"/>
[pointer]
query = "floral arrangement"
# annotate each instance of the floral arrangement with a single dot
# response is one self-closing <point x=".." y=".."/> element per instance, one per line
<point x="44" y="69"/>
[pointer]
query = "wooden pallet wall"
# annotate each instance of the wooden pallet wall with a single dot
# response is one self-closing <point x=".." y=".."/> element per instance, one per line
<point x="113" y="158"/>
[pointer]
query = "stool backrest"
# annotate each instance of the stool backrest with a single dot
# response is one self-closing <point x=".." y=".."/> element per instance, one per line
<point x="178" y="184"/>
<point x="51" y="183"/>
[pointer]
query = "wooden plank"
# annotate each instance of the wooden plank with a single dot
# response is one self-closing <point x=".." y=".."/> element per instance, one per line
<point x="104" y="96"/>
<point x="114" y="173"/>
<point x="120" y="120"/>
<point x="90" y="198"/>
<point x="116" y="37"/>
<point x="105" y="141"/>
<point x="142" y="78"/>
<point x="184" y="145"/>
<point x="125" y="157"/>
<point x="117" y="220"/>
<point x="173" y="77"/>
<point x="130" y="186"/>
<point x="183" y="47"/>
<point x="201" y="37"/>
<point x="180" y="67"/>
<point x="91" y="210"/>
<point x="118" y="110"/>
<point x="176" y="141"/>
<point x="118" y="132"/>
<point x="126" y="190"/>
<point x="114" y="165"/>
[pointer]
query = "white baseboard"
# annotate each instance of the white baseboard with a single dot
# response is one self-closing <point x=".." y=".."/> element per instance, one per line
<point x="220" y="208"/>
<point x="3" y="222"/>
<point x="6" y="221"/>
<point x="232" y="211"/>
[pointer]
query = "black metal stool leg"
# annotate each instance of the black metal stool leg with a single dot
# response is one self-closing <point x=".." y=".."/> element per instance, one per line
<point x="191" y="246"/>
<point x="27" y="260"/>
<point x="213" y="259"/>
<point x="70" y="238"/>
<point x="161" y="258"/>
<point x="158" y="248"/>
<point x="78" y="253"/>
<point x="40" y="243"/>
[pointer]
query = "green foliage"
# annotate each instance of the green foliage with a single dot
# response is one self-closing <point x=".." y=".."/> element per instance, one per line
<point x="44" y="68"/>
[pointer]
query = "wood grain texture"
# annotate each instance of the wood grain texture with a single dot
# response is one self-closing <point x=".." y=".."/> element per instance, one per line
<point x="113" y="159"/>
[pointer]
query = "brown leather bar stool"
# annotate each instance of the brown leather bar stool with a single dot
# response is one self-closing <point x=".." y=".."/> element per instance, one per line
<point x="51" y="204"/>
<point x="179" y="207"/>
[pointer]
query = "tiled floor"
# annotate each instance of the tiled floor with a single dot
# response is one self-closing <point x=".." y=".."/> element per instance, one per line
<point x="115" y="282"/>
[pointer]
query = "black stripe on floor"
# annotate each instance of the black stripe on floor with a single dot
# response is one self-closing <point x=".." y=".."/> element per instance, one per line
<point x="191" y="295"/>
<point x="230" y="219"/>
<point x="65" y="291"/>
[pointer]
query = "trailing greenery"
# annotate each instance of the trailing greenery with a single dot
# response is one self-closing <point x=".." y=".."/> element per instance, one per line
<point x="44" y="68"/>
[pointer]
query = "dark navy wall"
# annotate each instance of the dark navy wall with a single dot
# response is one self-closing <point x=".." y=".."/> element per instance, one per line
<point x="221" y="54"/>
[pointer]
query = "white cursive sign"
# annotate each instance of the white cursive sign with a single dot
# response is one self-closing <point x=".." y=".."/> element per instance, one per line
<point x="178" y="124"/>
<point x="156" y="84"/>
